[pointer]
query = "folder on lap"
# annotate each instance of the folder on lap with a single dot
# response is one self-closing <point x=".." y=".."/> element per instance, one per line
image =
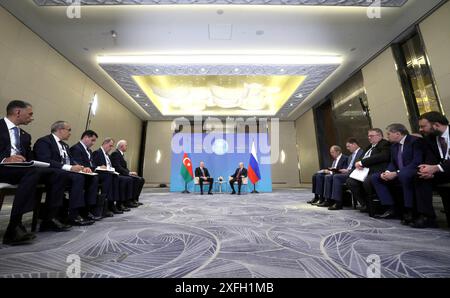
<point x="28" y="164"/>
<point x="360" y="175"/>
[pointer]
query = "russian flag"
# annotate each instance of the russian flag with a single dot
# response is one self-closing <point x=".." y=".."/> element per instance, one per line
<point x="253" y="166"/>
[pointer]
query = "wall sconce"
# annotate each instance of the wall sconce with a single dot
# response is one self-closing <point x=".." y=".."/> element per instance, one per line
<point x="158" y="157"/>
<point x="93" y="105"/>
<point x="282" y="156"/>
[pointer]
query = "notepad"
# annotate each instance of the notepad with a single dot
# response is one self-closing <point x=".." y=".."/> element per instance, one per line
<point x="28" y="164"/>
<point x="360" y="175"/>
<point x="107" y="170"/>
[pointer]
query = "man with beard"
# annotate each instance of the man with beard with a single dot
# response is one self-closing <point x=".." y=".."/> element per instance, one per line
<point x="436" y="168"/>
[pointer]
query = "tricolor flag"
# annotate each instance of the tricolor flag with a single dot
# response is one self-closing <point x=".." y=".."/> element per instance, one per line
<point x="186" y="169"/>
<point x="253" y="166"/>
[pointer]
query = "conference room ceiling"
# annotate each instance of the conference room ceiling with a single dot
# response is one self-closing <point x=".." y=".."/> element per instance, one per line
<point x="139" y="31"/>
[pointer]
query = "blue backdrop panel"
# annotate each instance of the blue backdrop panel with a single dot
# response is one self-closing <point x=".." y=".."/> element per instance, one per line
<point x="221" y="158"/>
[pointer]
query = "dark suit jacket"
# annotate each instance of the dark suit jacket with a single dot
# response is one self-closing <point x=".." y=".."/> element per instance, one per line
<point x="46" y="150"/>
<point x="358" y="157"/>
<point x="379" y="158"/>
<point x="342" y="164"/>
<point x="412" y="155"/>
<point x="432" y="155"/>
<point x="198" y="172"/>
<point x="119" y="163"/>
<point x="243" y="173"/>
<point x="98" y="159"/>
<point x="5" y="142"/>
<point x="79" y="155"/>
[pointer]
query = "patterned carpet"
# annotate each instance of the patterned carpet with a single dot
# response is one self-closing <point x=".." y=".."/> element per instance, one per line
<point x="263" y="235"/>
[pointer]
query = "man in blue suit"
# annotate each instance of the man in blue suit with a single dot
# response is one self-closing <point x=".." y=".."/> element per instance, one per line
<point x="81" y="154"/>
<point x="83" y="189"/>
<point x="334" y="184"/>
<point x="339" y="162"/>
<point x="407" y="153"/>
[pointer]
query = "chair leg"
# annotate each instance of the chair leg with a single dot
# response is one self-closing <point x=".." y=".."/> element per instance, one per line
<point x="2" y="198"/>
<point x="36" y="210"/>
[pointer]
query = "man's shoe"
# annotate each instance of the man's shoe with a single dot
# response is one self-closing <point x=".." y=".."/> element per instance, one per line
<point x="16" y="236"/>
<point x="54" y="225"/>
<point x="407" y="219"/>
<point x="233" y="192"/>
<point x="138" y="203"/>
<point x="114" y="210"/>
<point x="121" y="207"/>
<point x="324" y="204"/>
<point x="318" y="202"/>
<point x="210" y="193"/>
<point x="390" y="214"/>
<point x="107" y="213"/>
<point x="31" y="235"/>
<point x="131" y="204"/>
<point x="423" y="222"/>
<point x="335" y="206"/>
<point x="363" y="209"/>
<point x="80" y="222"/>
<point x="239" y="193"/>
<point x="201" y="193"/>
<point x="313" y="201"/>
<point x="93" y="217"/>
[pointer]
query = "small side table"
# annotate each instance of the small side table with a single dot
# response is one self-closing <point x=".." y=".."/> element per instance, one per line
<point x="219" y="185"/>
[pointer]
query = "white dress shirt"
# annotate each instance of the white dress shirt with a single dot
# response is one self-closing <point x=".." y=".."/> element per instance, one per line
<point x="12" y="136"/>
<point x="62" y="153"/>
<point x="108" y="161"/>
<point x="444" y="155"/>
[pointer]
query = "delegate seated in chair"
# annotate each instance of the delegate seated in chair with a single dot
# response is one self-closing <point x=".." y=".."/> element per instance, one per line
<point x="202" y="174"/>
<point x="239" y="176"/>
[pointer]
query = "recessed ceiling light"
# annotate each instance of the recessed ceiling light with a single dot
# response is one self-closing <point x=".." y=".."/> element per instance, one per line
<point x="298" y="95"/>
<point x="138" y="95"/>
<point x="146" y="105"/>
<point x="291" y="105"/>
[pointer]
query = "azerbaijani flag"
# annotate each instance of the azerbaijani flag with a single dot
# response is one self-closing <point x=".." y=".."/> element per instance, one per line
<point x="186" y="169"/>
<point x="253" y="166"/>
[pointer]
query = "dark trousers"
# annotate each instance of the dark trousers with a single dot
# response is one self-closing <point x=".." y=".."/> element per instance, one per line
<point x="107" y="185"/>
<point x="27" y="180"/>
<point x="404" y="180"/>
<point x="318" y="181"/>
<point x="83" y="190"/>
<point x="138" y="184"/>
<point x="334" y="186"/>
<point x="424" y="193"/>
<point x="201" y="181"/>
<point x="239" y="181"/>
<point x="361" y="191"/>
<point x="123" y="189"/>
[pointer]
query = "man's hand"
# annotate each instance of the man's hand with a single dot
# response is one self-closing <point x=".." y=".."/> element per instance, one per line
<point x="87" y="170"/>
<point x="133" y="173"/>
<point x="359" y="165"/>
<point x="76" y="168"/>
<point x="344" y="171"/>
<point x="103" y="167"/>
<point x="427" y="171"/>
<point x="389" y="176"/>
<point x="15" y="158"/>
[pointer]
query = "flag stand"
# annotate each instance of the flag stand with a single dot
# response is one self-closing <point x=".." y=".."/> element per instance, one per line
<point x="185" y="188"/>
<point x="254" y="189"/>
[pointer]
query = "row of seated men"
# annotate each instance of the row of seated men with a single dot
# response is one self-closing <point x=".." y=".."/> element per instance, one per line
<point x="114" y="190"/>
<point x="403" y="171"/>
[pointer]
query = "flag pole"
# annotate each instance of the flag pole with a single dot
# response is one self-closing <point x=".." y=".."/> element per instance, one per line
<point x="185" y="188"/>
<point x="254" y="188"/>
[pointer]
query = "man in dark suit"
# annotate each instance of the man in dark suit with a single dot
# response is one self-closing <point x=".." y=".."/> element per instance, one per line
<point x="119" y="163"/>
<point x="238" y="175"/>
<point x="15" y="146"/>
<point x="81" y="154"/>
<point x="122" y="186"/>
<point x="339" y="162"/>
<point x="203" y="176"/>
<point x="435" y="169"/>
<point x="376" y="158"/>
<point x="83" y="188"/>
<point x="407" y="154"/>
<point x="334" y="184"/>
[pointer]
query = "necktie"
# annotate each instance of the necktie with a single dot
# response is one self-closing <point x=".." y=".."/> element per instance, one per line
<point x="400" y="157"/>
<point x="352" y="161"/>
<point x="444" y="147"/>
<point x="89" y="155"/>
<point x="203" y="173"/>
<point x="333" y="166"/>
<point x="65" y="156"/>
<point x="367" y="155"/>
<point x="16" y="143"/>
<point x="108" y="161"/>
<point x="239" y="174"/>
